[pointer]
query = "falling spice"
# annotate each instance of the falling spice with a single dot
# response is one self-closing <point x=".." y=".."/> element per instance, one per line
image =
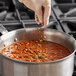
<point x="36" y="51"/>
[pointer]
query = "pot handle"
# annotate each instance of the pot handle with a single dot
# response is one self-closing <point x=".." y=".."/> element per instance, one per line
<point x="3" y="30"/>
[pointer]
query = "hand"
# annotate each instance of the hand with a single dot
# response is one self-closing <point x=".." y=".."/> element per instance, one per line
<point x="42" y="9"/>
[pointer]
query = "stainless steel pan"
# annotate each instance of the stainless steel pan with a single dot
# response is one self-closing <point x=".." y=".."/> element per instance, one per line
<point x="62" y="67"/>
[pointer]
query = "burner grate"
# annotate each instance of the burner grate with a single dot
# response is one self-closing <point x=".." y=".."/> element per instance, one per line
<point x="69" y="27"/>
<point x="65" y="1"/>
<point x="63" y="11"/>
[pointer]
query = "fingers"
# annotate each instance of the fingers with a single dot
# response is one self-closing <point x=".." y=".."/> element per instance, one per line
<point x="36" y="19"/>
<point x="42" y="16"/>
<point x="47" y="14"/>
<point x="39" y="15"/>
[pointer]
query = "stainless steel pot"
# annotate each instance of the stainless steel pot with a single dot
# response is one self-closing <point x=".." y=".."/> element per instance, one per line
<point x="62" y="67"/>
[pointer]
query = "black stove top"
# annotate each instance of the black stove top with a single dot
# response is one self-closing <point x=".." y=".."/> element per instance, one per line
<point x="14" y="15"/>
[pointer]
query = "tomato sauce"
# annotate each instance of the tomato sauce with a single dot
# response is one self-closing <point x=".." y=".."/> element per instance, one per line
<point x="36" y="51"/>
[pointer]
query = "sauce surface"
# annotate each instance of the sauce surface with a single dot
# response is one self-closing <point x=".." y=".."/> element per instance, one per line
<point x="36" y="51"/>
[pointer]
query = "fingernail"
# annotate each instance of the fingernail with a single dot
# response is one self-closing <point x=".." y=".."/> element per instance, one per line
<point x="45" y="22"/>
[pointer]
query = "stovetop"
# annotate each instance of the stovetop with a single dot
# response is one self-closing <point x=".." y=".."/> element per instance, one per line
<point x="14" y="15"/>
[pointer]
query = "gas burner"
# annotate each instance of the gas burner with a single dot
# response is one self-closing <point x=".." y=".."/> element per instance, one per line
<point x="65" y="11"/>
<point x="69" y="27"/>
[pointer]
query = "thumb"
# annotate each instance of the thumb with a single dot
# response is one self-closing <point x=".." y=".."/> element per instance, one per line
<point x="39" y="14"/>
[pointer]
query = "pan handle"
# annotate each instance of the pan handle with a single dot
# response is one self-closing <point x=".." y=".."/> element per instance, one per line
<point x="3" y="30"/>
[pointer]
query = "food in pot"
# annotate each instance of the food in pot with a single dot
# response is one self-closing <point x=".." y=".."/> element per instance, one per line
<point x="36" y="51"/>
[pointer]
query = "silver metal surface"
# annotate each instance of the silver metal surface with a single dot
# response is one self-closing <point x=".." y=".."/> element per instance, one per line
<point x="62" y="67"/>
<point x="71" y="13"/>
<point x="3" y="29"/>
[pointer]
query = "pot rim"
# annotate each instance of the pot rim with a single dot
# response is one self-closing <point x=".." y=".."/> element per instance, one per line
<point x="24" y="62"/>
